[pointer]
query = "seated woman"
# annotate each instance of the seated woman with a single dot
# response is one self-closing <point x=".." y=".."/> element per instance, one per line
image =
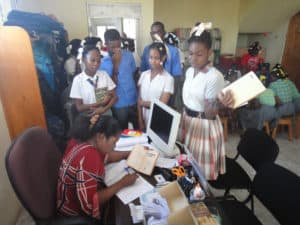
<point x="295" y="94"/>
<point x="283" y="92"/>
<point x="155" y="83"/>
<point x="252" y="59"/>
<point x="260" y="110"/>
<point x="81" y="189"/>
<point x="92" y="90"/>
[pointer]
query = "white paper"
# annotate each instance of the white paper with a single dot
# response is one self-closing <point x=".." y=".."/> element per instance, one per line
<point x="245" y="88"/>
<point x="166" y="162"/>
<point x="131" y="141"/>
<point x="115" y="171"/>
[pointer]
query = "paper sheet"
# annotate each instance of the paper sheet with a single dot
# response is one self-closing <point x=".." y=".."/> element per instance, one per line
<point x="166" y="162"/>
<point x="245" y="88"/>
<point x="129" y="142"/>
<point x="115" y="171"/>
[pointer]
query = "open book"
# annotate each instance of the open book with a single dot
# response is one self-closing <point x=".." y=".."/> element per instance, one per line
<point x="245" y="88"/>
<point x="142" y="160"/>
<point x="115" y="172"/>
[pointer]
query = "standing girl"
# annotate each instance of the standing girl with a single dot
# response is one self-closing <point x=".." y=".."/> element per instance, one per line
<point x="201" y="128"/>
<point x="93" y="90"/>
<point x="81" y="189"/>
<point x="155" y="83"/>
<point x="71" y="65"/>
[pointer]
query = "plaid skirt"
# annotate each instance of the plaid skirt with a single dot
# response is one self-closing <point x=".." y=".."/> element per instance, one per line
<point x="204" y="138"/>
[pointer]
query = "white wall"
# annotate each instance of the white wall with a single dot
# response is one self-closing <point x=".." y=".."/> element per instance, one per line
<point x="184" y="14"/>
<point x="9" y="205"/>
<point x="73" y="14"/>
<point x="274" y="42"/>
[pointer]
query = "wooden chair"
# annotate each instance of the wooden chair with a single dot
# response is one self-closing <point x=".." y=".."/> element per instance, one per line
<point x="284" y="121"/>
<point x="224" y="121"/>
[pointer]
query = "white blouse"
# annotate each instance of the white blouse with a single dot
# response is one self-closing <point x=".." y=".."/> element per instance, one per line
<point x="83" y="89"/>
<point x="153" y="89"/>
<point x="202" y="86"/>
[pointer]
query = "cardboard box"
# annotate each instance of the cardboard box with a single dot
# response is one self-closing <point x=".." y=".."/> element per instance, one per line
<point x="180" y="211"/>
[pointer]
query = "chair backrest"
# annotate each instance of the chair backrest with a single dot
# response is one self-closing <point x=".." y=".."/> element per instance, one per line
<point x="32" y="164"/>
<point x="257" y="148"/>
<point x="279" y="190"/>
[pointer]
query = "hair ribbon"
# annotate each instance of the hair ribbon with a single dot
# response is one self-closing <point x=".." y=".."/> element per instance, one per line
<point x="157" y="38"/>
<point x="198" y="30"/>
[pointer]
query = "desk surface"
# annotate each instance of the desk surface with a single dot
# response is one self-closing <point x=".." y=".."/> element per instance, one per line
<point x="122" y="212"/>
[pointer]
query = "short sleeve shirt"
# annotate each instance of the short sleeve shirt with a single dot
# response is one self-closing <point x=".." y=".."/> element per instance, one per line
<point x="126" y="88"/>
<point x="282" y="89"/>
<point x="267" y="97"/>
<point x="153" y="89"/>
<point x="81" y="175"/>
<point x="83" y="89"/>
<point x="172" y="64"/>
<point x="202" y="86"/>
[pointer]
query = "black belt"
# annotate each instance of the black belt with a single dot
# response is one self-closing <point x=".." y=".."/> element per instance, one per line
<point x="193" y="113"/>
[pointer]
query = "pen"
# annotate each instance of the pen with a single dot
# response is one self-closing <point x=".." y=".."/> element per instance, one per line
<point x="127" y="170"/>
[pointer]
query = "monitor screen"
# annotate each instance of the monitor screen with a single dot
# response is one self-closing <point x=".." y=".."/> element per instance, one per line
<point x="162" y="123"/>
<point x="162" y="127"/>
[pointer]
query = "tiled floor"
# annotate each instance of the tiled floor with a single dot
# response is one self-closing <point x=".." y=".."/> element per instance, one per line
<point x="289" y="157"/>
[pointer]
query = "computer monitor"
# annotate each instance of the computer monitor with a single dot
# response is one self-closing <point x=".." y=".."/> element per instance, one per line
<point x="162" y="128"/>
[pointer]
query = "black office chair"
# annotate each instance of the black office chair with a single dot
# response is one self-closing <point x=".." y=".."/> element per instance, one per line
<point x="257" y="148"/>
<point x="32" y="164"/>
<point x="279" y="191"/>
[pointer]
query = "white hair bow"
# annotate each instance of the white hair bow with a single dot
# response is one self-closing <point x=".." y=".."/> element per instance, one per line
<point x="79" y="55"/>
<point x="99" y="45"/>
<point x="200" y="28"/>
<point x="82" y="43"/>
<point x="68" y="49"/>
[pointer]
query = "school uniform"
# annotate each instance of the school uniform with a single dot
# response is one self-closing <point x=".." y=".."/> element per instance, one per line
<point x="83" y="88"/>
<point x="153" y="89"/>
<point x="203" y="137"/>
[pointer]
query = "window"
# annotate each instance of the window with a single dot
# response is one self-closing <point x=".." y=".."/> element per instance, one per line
<point x="102" y="16"/>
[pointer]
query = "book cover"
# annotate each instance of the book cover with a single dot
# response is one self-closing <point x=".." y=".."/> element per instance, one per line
<point x="245" y="88"/>
<point x="142" y="160"/>
<point x="100" y="93"/>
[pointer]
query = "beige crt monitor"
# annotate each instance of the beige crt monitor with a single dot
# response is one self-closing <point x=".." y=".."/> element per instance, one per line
<point x="162" y="128"/>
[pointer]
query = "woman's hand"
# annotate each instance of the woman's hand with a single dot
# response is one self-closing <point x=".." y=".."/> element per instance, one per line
<point x="128" y="179"/>
<point x="94" y="106"/>
<point x="105" y="100"/>
<point x="98" y="111"/>
<point x="226" y="99"/>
